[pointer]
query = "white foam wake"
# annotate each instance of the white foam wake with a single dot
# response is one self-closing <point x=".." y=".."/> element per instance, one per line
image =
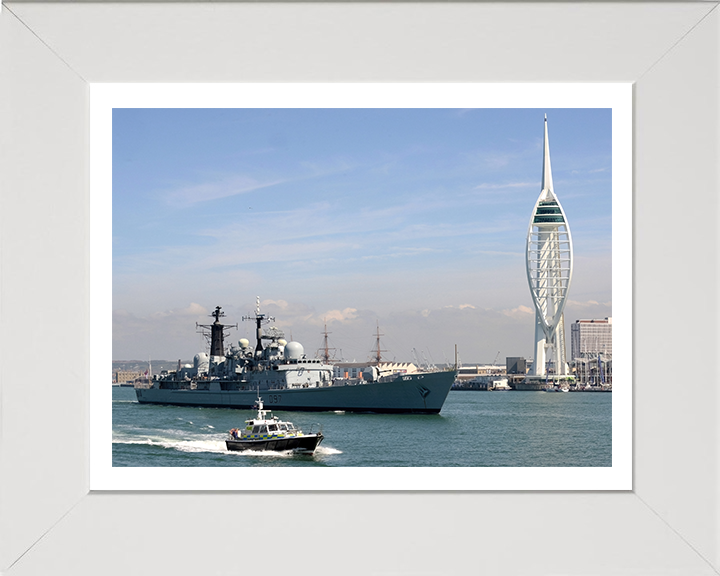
<point x="214" y="446"/>
<point x="217" y="446"/>
<point x="263" y="453"/>
<point x="327" y="450"/>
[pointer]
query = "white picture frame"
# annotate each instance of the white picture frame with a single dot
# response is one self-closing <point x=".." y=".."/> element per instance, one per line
<point x="51" y="522"/>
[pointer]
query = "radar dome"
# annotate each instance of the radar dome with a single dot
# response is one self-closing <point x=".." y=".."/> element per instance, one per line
<point x="282" y="341"/>
<point x="201" y="362"/>
<point x="244" y="342"/>
<point x="294" y="351"/>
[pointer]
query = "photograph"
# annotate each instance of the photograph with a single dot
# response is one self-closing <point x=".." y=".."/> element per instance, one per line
<point x="351" y="287"/>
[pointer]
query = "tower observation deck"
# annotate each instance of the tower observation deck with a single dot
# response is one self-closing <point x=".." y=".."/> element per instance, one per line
<point x="549" y="266"/>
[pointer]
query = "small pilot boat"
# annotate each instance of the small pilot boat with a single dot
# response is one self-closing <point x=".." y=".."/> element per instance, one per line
<point x="267" y="432"/>
<point x="556" y="389"/>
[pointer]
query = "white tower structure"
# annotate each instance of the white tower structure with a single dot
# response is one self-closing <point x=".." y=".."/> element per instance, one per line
<point x="549" y="265"/>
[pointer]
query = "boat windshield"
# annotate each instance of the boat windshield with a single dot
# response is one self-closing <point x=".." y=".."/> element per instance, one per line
<point x="272" y="427"/>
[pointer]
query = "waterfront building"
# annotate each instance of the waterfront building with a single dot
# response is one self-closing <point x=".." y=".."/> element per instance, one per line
<point x="549" y="266"/>
<point x="516" y="365"/>
<point x="470" y="371"/>
<point x="591" y="348"/>
<point x="588" y="338"/>
<point x="122" y="376"/>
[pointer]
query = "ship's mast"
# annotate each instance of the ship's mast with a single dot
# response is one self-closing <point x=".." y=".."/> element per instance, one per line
<point x="217" y="332"/>
<point x="259" y="319"/>
<point x="378" y="351"/>
<point x="217" y="346"/>
<point x="326" y="347"/>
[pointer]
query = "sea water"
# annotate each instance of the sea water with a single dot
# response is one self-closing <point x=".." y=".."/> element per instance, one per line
<point x="474" y="428"/>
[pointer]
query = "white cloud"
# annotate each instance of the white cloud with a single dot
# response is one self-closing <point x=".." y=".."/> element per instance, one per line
<point x="577" y="310"/>
<point x="328" y="167"/>
<point x="520" y="311"/>
<point x="166" y="335"/>
<point x="496" y="161"/>
<point x="282" y="304"/>
<point x="340" y="315"/>
<point x="593" y="171"/>
<point x="192" y="310"/>
<point x="230" y="186"/>
<point x="502" y="186"/>
<point x="479" y="333"/>
<point x="586" y="304"/>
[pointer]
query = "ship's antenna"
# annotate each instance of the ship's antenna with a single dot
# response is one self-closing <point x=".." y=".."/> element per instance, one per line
<point x="259" y="319"/>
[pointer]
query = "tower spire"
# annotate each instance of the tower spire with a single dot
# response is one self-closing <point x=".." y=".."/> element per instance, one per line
<point x="549" y="265"/>
<point x="547" y="181"/>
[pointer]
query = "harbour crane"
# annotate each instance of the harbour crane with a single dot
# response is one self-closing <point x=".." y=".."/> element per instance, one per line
<point x="415" y="356"/>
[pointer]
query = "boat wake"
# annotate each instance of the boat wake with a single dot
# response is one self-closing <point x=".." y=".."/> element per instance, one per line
<point x="263" y="453"/>
<point x="319" y="451"/>
<point x="212" y="446"/>
<point x="217" y="446"/>
<point x="327" y="451"/>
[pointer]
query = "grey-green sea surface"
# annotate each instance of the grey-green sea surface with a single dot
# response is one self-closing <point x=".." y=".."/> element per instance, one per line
<point x="474" y="428"/>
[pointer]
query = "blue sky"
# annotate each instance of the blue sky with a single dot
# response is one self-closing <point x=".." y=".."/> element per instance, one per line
<point x="413" y="219"/>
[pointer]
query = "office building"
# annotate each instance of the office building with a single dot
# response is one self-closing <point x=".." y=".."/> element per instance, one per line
<point x="590" y="338"/>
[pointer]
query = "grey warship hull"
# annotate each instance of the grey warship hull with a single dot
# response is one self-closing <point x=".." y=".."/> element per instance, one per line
<point x="418" y="393"/>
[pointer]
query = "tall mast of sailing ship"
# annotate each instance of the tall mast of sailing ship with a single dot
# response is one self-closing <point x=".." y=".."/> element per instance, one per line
<point x="378" y="351"/>
<point x="326" y="347"/>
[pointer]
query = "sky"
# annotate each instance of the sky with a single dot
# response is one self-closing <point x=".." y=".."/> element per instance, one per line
<point x="412" y="222"/>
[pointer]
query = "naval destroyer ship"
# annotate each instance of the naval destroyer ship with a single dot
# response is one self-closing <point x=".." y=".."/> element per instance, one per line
<point x="288" y="379"/>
